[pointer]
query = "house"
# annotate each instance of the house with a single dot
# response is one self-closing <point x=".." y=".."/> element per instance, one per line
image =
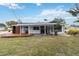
<point x="36" y="28"/>
<point x="74" y="26"/>
<point x="2" y="26"/>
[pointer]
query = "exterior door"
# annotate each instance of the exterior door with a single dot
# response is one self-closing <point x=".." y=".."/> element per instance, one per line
<point x="41" y="29"/>
<point x="14" y="29"/>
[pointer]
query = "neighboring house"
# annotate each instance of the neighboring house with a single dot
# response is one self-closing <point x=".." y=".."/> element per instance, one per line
<point x="2" y="27"/>
<point x="75" y="25"/>
<point x="36" y="28"/>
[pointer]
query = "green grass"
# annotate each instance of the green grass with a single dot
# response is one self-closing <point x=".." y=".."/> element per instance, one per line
<point x="40" y="46"/>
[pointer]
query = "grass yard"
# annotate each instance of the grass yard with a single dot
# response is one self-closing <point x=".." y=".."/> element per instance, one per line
<point x="40" y="46"/>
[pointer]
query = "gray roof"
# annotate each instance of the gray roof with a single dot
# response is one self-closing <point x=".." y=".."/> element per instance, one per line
<point x="32" y="24"/>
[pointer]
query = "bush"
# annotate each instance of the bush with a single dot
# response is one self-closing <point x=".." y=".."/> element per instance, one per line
<point x="73" y="31"/>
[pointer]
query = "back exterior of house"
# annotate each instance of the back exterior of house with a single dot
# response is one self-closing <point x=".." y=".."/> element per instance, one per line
<point x="37" y="28"/>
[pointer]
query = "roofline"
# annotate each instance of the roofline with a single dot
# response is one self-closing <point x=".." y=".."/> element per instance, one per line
<point x="33" y="24"/>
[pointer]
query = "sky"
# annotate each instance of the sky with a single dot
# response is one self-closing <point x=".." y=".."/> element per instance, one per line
<point x="35" y="12"/>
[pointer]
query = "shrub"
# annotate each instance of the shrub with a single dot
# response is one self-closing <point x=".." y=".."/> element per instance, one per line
<point x="73" y="31"/>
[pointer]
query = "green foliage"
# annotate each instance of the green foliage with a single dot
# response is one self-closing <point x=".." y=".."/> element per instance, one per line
<point x="2" y="25"/>
<point x="10" y="23"/>
<point x="73" y="31"/>
<point x="76" y="21"/>
<point x="58" y="27"/>
<point x="58" y="21"/>
<point x="74" y="11"/>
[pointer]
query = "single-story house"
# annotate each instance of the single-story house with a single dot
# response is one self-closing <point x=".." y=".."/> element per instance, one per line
<point x="74" y="26"/>
<point x="36" y="28"/>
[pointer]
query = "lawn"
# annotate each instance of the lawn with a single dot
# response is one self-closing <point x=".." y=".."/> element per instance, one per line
<point x="39" y="46"/>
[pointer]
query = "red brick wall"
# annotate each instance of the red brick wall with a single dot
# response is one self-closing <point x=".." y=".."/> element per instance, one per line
<point x="17" y="30"/>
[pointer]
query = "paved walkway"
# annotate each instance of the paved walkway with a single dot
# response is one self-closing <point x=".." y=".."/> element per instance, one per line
<point x="5" y="33"/>
<point x="63" y="34"/>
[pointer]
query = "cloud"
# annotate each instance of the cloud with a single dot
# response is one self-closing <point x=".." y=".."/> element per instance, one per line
<point x="56" y="12"/>
<point x="59" y="11"/>
<point x="53" y="13"/>
<point x="50" y="14"/>
<point x="38" y="4"/>
<point x="12" y="5"/>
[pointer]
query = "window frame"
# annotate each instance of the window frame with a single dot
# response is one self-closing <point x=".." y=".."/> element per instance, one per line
<point x="36" y="28"/>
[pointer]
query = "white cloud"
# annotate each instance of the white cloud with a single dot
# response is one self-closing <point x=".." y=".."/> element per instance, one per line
<point x="59" y="11"/>
<point x="38" y="4"/>
<point x="50" y="14"/>
<point x="12" y="5"/>
<point x="56" y="12"/>
<point x="53" y="13"/>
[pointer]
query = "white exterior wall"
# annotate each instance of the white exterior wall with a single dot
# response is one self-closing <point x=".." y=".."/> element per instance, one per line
<point x="30" y="29"/>
<point x="52" y="30"/>
<point x="63" y="29"/>
<point x="22" y="30"/>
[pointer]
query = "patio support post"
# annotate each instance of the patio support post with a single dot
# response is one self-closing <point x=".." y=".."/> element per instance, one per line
<point x="53" y="29"/>
<point x="63" y="29"/>
<point x="20" y="30"/>
<point x="29" y="30"/>
<point x="45" y="30"/>
<point x="40" y="29"/>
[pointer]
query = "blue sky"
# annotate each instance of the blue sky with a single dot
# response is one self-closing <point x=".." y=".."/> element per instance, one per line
<point x="35" y="12"/>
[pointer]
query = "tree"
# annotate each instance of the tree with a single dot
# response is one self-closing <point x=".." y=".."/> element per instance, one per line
<point x="76" y="21"/>
<point x="57" y="26"/>
<point x="45" y="19"/>
<point x="10" y="23"/>
<point x="2" y="25"/>
<point x="58" y="21"/>
<point x="74" y="12"/>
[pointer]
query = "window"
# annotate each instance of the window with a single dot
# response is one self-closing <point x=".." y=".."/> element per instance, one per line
<point x="35" y="28"/>
<point x="58" y="28"/>
<point x="14" y="29"/>
<point x="26" y="29"/>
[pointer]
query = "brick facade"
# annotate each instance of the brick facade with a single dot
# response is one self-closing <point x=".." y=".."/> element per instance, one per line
<point x="16" y="30"/>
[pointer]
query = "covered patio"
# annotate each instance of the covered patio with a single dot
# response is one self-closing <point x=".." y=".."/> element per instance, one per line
<point x="36" y="28"/>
